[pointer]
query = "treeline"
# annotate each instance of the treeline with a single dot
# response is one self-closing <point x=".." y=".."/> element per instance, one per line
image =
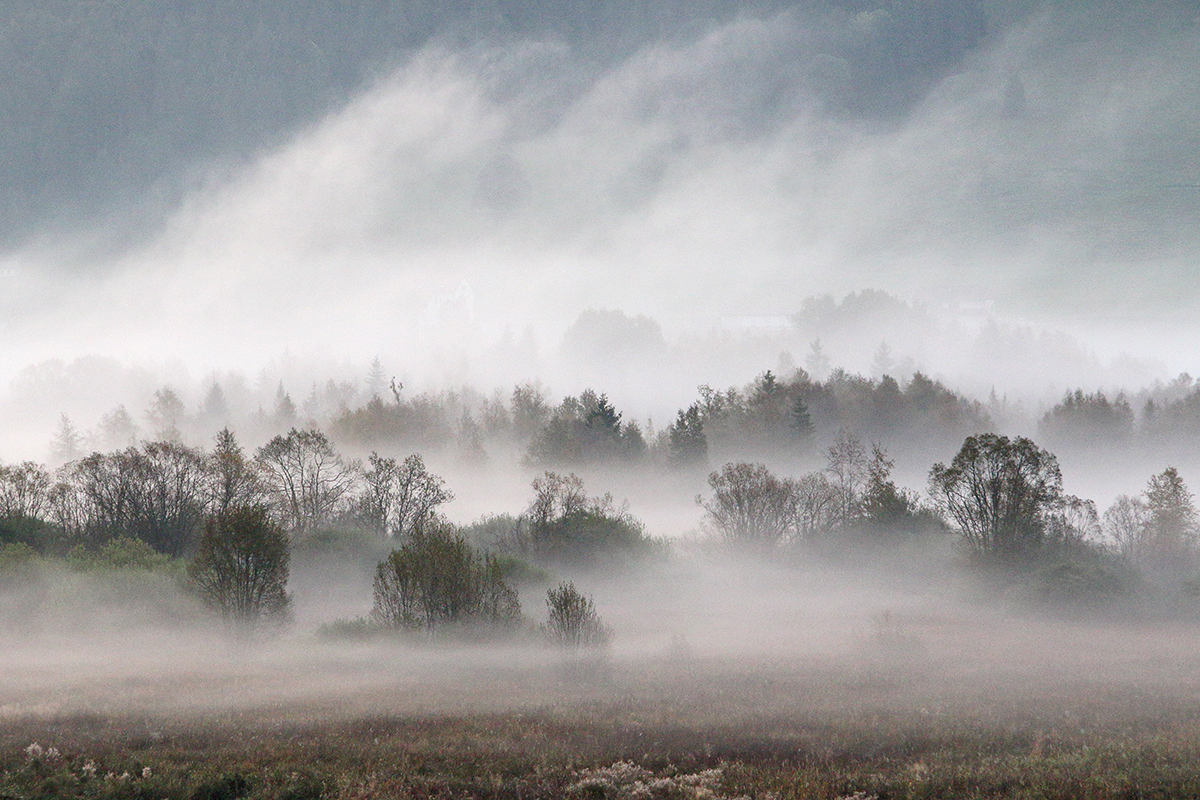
<point x="235" y="519"/>
<point x="1157" y="417"/>
<point x="161" y="493"/>
<point x="770" y="416"/>
<point x="792" y="417"/>
<point x="1004" y="500"/>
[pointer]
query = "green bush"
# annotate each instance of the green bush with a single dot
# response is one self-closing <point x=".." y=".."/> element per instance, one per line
<point x="28" y="531"/>
<point x="122" y="553"/>
<point x="565" y="526"/>
<point x="17" y="556"/>
<point x="1079" y="583"/>
<point x="241" y="565"/>
<point x="435" y="580"/>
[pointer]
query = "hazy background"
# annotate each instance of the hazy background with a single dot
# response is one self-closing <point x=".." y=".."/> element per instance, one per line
<point x="286" y="190"/>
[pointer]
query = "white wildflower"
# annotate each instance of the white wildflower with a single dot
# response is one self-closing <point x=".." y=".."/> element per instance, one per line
<point x="615" y="780"/>
<point x="146" y="773"/>
<point x="34" y="751"/>
<point x="624" y="780"/>
<point x="708" y="779"/>
<point x="638" y="791"/>
<point x="88" y="769"/>
<point x="53" y="754"/>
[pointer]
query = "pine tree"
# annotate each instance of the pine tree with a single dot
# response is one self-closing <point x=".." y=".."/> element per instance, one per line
<point x="376" y="379"/>
<point x="688" y="444"/>
<point x="67" y="444"/>
<point x="801" y="422"/>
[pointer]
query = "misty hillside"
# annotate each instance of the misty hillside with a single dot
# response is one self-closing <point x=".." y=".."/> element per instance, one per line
<point x="104" y="101"/>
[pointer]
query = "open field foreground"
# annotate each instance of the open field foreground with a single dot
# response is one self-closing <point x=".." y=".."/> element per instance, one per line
<point x="924" y="706"/>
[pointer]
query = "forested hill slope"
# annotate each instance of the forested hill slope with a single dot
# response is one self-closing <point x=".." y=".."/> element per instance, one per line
<point x="102" y="101"/>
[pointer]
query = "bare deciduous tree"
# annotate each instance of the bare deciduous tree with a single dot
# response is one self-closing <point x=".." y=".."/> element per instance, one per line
<point x="24" y="490"/>
<point x="168" y="496"/>
<point x="817" y="504"/>
<point x="999" y="491"/>
<point x="401" y="499"/>
<point x="848" y="466"/>
<point x="305" y="477"/>
<point x="1125" y="524"/>
<point x="556" y="496"/>
<point x="750" y="505"/>
<point x="154" y="493"/>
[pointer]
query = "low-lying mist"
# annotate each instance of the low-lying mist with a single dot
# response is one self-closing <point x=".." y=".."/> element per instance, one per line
<point x="708" y="624"/>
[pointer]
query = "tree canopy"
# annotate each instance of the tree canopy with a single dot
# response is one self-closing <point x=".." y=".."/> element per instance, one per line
<point x="999" y="492"/>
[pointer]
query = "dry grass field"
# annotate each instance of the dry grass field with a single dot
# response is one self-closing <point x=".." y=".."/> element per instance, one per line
<point x="918" y="707"/>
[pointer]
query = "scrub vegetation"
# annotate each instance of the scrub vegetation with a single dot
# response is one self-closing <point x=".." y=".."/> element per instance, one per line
<point x="718" y="733"/>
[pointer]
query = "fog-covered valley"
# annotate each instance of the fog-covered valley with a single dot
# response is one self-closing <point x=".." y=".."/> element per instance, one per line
<point x="602" y="400"/>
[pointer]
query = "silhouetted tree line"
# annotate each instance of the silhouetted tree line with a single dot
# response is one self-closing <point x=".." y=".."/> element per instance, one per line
<point x="1162" y="416"/>
<point x="1002" y="496"/>
<point x="853" y="495"/>
<point x="769" y="416"/>
<point x="789" y="416"/>
<point x="1004" y="499"/>
<point x="564" y="526"/>
<point x="236" y="516"/>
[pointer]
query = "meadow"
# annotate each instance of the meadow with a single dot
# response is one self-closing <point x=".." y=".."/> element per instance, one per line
<point x="923" y="705"/>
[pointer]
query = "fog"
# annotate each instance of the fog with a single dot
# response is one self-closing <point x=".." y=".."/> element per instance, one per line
<point x="708" y="640"/>
<point x="993" y="201"/>
<point x="478" y="192"/>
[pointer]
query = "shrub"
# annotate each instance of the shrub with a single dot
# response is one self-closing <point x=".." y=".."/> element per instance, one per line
<point x="436" y="579"/>
<point x="28" y="531"/>
<point x="750" y="505"/>
<point x="120" y="553"/>
<point x="17" y="556"/>
<point x="568" y="527"/>
<point x="241" y="565"/>
<point x="1080" y="582"/>
<point x="574" y="623"/>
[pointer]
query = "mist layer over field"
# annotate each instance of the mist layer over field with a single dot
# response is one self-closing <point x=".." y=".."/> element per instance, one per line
<point x="709" y="627"/>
